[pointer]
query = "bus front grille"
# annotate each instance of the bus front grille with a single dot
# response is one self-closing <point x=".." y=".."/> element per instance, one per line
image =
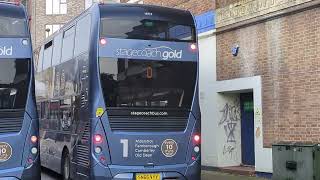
<point x="11" y="121"/>
<point x="148" y="124"/>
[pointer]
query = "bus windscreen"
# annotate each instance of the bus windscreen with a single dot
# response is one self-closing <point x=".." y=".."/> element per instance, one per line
<point x="12" y="26"/>
<point x="146" y="29"/>
<point x="147" y="83"/>
<point x="14" y="82"/>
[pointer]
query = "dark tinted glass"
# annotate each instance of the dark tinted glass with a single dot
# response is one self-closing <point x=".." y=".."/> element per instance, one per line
<point x="14" y="82"/>
<point x="10" y="26"/>
<point x="11" y="10"/>
<point x="144" y="83"/>
<point x="138" y="28"/>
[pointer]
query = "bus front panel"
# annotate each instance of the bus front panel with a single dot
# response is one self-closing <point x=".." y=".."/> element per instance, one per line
<point x="148" y="69"/>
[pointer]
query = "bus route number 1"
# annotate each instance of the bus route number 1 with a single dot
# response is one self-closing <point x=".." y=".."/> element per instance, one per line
<point x="125" y="147"/>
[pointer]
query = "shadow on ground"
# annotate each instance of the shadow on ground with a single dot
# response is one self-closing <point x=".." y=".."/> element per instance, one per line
<point x="47" y="174"/>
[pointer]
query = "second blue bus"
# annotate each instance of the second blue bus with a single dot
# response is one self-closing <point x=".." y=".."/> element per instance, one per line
<point x="117" y="89"/>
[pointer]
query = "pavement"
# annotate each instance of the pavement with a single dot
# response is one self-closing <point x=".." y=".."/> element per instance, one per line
<point x="213" y="175"/>
<point x="206" y="175"/>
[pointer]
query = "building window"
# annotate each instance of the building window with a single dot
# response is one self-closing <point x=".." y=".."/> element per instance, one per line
<point x="52" y="28"/>
<point x="56" y="6"/>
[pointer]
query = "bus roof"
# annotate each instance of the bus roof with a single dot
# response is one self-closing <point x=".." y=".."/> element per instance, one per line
<point x="157" y="12"/>
<point x="12" y="10"/>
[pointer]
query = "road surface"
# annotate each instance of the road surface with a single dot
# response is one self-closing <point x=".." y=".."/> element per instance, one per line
<point x="206" y="175"/>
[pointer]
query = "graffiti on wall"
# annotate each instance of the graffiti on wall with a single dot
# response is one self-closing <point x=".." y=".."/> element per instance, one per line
<point x="230" y="119"/>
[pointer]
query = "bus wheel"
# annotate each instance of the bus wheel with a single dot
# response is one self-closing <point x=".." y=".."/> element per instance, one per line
<point x="65" y="169"/>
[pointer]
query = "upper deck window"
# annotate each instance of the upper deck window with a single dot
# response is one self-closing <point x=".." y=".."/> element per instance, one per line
<point x="146" y="29"/>
<point x="11" y="26"/>
<point x="68" y="44"/>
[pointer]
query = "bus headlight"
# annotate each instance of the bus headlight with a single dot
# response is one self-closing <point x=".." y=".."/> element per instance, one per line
<point x="25" y="42"/>
<point x="103" y="41"/>
<point x="98" y="150"/>
<point x="34" y="139"/>
<point x="196" y="139"/>
<point x="97" y="139"/>
<point x="193" y="47"/>
<point x="34" y="150"/>
<point x="196" y="149"/>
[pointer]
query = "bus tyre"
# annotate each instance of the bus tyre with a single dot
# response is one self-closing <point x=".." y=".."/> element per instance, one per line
<point x="65" y="168"/>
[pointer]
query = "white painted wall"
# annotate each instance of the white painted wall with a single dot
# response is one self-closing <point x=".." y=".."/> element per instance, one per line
<point x="263" y="156"/>
<point x="213" y="135"/>
<point x="207" y="65"/>
<point x="214" y="95"/>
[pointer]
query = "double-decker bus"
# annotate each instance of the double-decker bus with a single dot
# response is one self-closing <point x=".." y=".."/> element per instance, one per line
<point x="19" y="125"/>
<point x="117" y="89"/>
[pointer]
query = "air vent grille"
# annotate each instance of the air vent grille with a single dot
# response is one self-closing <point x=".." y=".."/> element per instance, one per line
<point x="11" y="121"/>
<point x="83" y="150"/>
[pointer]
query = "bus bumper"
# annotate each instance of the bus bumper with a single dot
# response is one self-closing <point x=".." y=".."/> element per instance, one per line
<point x="180" y="171"/>
<point x="31" y="173"/>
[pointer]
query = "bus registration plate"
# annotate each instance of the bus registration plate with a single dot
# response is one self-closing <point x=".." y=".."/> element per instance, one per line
<point x="148" y="177"/>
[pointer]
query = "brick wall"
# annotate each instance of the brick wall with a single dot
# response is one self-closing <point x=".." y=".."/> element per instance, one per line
<point x="195" y="6"/>
<point x="224" y="3"/>
<point x="285" y="52"/>
<point x="40" y="19"/>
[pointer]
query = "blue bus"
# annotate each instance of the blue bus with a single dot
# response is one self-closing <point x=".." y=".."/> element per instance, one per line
<point x="19" y="125"/>
<point x="117" y="89"/>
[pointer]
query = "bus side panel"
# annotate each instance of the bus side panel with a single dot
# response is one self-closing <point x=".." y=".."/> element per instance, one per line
<point x="49" y="118"/>
<point x="58" y="113"/>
